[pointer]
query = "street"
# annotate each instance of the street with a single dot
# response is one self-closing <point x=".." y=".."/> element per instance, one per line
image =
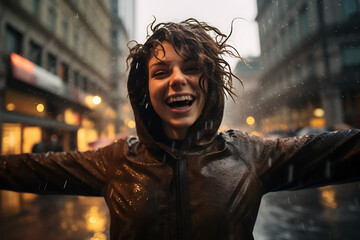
<point x="317" y="214"/>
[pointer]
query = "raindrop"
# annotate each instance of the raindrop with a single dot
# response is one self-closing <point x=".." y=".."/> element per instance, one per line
<point x="269" y="162"/>
<point x="328" y="169"/>
<point x="65" y="184"/>
<point x="303" y="225"/>
<point x="45" y="187"/>
<point x="290" y="172"/>
<point x="164" y="158"/>
<point x="111" y="193"/>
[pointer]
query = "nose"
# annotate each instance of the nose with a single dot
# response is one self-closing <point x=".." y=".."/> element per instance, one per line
<point x="177" y="79"/>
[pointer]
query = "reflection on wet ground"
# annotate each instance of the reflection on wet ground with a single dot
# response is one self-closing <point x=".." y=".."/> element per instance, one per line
<point x="331" y="212"/>
<point x="326" y="213"/>
<point x="59" y="217"/>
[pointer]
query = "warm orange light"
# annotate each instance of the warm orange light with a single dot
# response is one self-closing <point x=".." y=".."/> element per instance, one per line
<point x="250" y="120"/>
<point x="22" y="63"/>
<point x="40" y="107"/>
<point x="131" y="124"/>
<point x="10" y="107"/>
<point x="96" y="100"/>
<point x="319" y="112"/>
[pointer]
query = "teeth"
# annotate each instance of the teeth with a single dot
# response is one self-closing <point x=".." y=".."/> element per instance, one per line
<point x="179" y="98"/>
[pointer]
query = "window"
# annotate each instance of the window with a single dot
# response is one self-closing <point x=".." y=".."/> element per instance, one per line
<point x="294" y="37"/>
<point x="35" y="7"/>
<point x="76" y="79"/>
<point x="35" y="53"/>
<point x="51" y="63"/>
<point x="114" y="7"/>
<point x="304" y="22"/>
<point x="65" y="29"/>
<point x="13" y="41"/>
<point x="351" y="55"/>
<point x="311" y="67"/>
<point x="85" y="84"/>
<point x="351" y="9"/>
<point x="64" y="71"/>
<point x="114" y="38"/>
<point x="52" y="18"/>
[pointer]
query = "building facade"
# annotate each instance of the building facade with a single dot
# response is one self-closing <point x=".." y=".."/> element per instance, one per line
<point x="310" y="55"/>
<point x="241" y="112"/>
<point x="61" y="75"/>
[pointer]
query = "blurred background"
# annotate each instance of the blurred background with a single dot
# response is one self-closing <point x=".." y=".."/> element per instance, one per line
<point x="63" y="87"/>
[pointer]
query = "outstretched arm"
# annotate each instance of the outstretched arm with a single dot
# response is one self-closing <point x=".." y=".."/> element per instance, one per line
<point x="81" y="173"/>
<point x="308" y="161"/>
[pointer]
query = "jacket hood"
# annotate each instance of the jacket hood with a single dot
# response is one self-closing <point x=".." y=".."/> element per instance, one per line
<point x="148" y="123"/>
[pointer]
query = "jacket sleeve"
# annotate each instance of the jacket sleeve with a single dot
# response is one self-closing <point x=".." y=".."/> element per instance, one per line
<point x="80" y="173"/>
<point x="308" y="161"/>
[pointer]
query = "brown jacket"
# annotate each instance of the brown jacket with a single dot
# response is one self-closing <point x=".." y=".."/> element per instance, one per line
<point x="210" y="193"/>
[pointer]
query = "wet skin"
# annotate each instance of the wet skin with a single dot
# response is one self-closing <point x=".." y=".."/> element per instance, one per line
<point x="174" y="90"/>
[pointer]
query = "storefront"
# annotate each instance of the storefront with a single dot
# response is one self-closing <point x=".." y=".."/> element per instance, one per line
<point x="36" y="102"/>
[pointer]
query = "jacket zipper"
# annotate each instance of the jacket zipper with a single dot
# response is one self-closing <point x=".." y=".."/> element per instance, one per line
<point x="182" y="208"/>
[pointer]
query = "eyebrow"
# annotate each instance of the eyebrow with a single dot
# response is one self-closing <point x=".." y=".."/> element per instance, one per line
<point x="164" y="63"/>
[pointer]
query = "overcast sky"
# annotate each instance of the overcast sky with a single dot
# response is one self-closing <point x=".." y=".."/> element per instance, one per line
<point x="218" y="13"/>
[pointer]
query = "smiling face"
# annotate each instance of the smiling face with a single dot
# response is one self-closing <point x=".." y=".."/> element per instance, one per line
<point x="174" y="90"/>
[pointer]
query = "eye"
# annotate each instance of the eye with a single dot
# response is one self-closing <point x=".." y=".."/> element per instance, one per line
<point x="159" y="74"/>
<point x="194" y="69"/>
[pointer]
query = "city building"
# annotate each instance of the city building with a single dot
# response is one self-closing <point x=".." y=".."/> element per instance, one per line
<point x="310" y="56"/>
<point x="241" y="112"/>
<point x="62" y="75"/>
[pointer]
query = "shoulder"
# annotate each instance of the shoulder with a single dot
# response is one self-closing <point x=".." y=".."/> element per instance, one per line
<point x="235" y="135"/>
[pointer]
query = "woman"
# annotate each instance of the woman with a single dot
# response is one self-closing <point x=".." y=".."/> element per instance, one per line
<point x="180" y="179"/>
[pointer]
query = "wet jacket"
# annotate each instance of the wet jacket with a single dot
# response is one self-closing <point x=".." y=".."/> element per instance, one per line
<point x="208" y="186"/>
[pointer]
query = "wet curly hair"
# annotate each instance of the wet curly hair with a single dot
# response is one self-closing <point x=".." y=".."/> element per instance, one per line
<point x="191" y="39"/>
<point x="196" y="40"/>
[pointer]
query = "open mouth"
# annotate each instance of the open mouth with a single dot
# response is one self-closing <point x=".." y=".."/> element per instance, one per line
<point x="180" y="102"/>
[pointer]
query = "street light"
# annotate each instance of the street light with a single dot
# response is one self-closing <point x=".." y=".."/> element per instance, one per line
<point x="96" y="100"/>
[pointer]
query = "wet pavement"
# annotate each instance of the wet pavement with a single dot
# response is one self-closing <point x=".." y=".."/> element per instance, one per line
<point x="325" y="213"/>
<point x="58" y="217"/>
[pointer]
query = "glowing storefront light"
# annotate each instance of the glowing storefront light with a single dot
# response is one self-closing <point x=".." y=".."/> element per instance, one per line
<point x="40" y="107"/>
<point x="10" y="107"/>
<point x="318" y="112"/>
